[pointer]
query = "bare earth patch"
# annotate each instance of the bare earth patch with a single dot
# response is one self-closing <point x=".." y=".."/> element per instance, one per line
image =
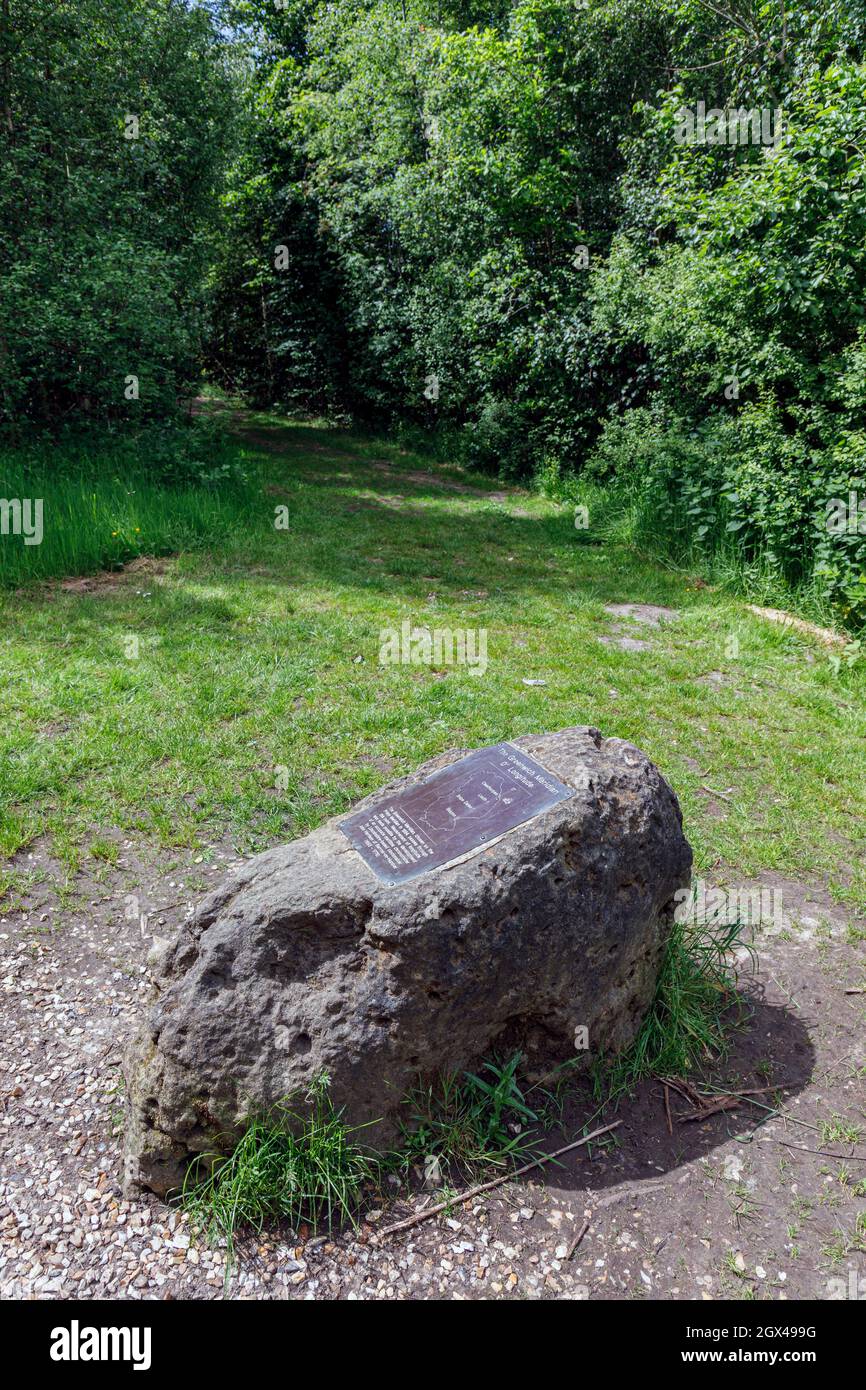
<point x="106" y="581"/>
<point x="744" y="1203"/>
<point x="425" y="478"/>
<point x="647" y="614"/>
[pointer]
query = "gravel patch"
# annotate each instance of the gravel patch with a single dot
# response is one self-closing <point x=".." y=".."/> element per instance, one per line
<point x="743" y="1204"/>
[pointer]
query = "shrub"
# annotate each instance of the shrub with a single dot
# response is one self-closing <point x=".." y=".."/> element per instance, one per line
<point x="742" y="498"/>
<point x="499" y="441"/>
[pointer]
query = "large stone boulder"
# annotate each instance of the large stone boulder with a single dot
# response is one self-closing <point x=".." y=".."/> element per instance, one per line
<point x="305" y="961"/>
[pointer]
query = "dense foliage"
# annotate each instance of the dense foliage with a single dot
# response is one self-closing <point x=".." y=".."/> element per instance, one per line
<point x="113" y="128"/>
<point x="491" y="221"/>
<point x="519" y="227"/>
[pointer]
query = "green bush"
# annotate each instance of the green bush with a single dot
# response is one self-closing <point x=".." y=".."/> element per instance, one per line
<point x="840" y="554"/>
<point x="116" y="121"/>
<point x="498" y="441"/>
<point x="740" y="498"/>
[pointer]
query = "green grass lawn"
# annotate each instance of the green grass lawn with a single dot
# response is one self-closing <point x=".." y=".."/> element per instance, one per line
<point x="256" y="704"/>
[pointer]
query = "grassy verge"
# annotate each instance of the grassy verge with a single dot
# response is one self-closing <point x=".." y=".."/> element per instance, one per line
<point x="104" y="501"/>
<point x="619" y="514"/>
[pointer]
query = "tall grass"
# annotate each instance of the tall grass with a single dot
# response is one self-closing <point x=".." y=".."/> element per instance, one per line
<point x="288" y="1166"/>
<point x="693" y="1012"/>
<point x="622" y="515"/>
<point x="106" y="501"/>
<point x="720" y="502"/>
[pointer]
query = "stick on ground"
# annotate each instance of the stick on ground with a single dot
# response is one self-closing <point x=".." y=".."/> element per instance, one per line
<point x="576" y="1242"/>
<point x="711" y="791"/>
<point x="496" y="1182"/>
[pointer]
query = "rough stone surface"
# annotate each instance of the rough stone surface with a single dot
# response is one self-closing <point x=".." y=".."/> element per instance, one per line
<point x="304" y="962"/>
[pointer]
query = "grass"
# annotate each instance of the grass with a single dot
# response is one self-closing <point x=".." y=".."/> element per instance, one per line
<point x="302" y="1165"/>
<point x="306" y="1167"/>
<point x="297" y="1166"/>
<point x="839" y="1130"/>
<point x="695" y="1006"/>
<point x="620" y="514"/>
<point x="469" y="1122"/>
<point x="105" y="501"/>
<point x="252" y="703"/>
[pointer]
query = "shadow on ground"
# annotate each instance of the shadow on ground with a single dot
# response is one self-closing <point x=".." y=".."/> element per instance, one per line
<point x="771" y="1052"/>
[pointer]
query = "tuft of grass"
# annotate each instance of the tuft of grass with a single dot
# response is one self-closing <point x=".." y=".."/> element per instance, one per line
<point x="288" y="1166"/>
<point x="690" y="1018"/>
<point x="839" y="1130"/>
<point x="105" y="850"/>
<point x="470" y="1121"/>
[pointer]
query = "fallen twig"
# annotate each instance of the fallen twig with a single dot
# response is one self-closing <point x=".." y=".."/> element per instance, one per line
<point x="576" y="1242"/>
<point x="641" y="1188"/>
<point x="495" y="1182"/>
<point x="823" y="634"/>
<point x="855" y="991"/>
<point x="710" y="791"/>
<point x="683" y="1088"/>
<point x="773" y="1111"/>
<point x="705" y="1104"/>
<point x="824" y="1153"/>
<point x="726" y="1103"/>
<point x="755" y="1091"/>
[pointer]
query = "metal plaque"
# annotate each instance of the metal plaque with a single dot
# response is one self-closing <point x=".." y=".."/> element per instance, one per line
<point x="453" y="812"/>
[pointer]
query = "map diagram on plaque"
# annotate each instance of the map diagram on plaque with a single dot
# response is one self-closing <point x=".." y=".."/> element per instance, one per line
<point x="453" y="812"/>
